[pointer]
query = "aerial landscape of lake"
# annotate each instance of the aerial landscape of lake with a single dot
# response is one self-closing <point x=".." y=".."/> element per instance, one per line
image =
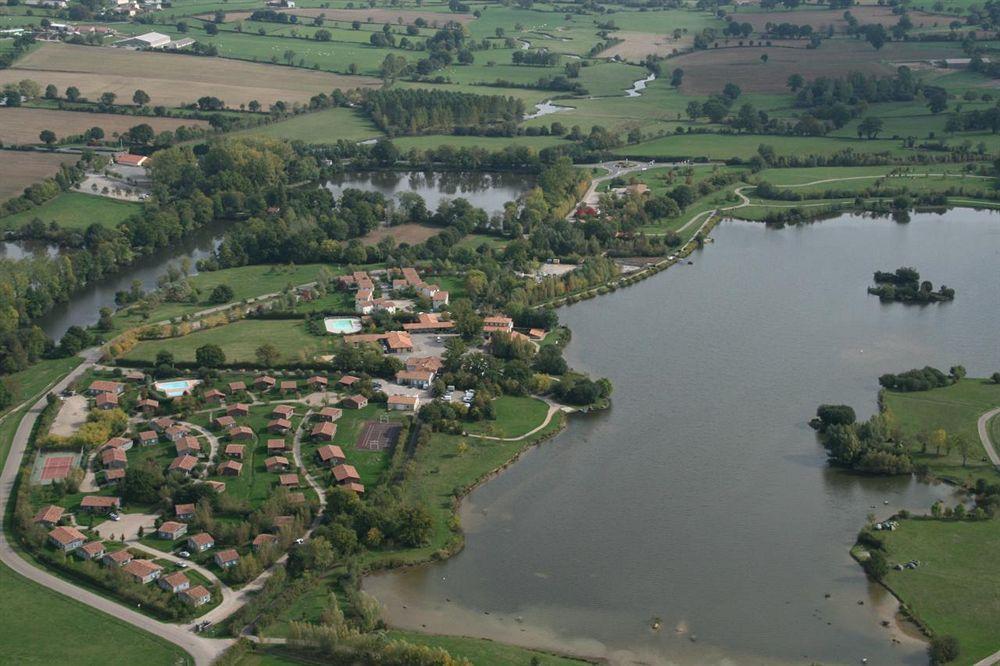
<point x="702" y="499"/>
<point x="489" y="191"/>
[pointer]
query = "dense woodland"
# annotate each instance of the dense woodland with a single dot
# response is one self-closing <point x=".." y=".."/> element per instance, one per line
<point x="399" y="111"/>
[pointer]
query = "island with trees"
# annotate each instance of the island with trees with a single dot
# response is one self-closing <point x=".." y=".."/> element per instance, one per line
<point x="904" y="286"/>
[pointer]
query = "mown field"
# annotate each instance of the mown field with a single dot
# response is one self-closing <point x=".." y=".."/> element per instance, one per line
<point x="954" y="590"/>
<point x="22" y="125"/>
<point x="73" y="210"/>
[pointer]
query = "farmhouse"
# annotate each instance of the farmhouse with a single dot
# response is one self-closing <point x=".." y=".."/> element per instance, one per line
<point x="143" y="571"/>
<point x="276" y="464"/>
<point x="345" y="474"/>
<point x="66" y="538"/>
<point x="330" y="413"/>
<point x="171" y="530"/>
<point x="282" y="412"/>
<point x="176" y="582"/>
<point x="184" y="464"/>
<point x="324" y="431"/>
<point x="416" y="378"/>
<point x="118" y="558"/>
<point x="49" y="515"/>
<point x="200" y="542"/>
<point x="106" y="401"/>
<point x="196" y="596"/>
<point x="406" y="403"/>
<point x="226" y="558"/>
<point x="99" y="503"/>
<point x="93" y="550"/>
<point x="101" y="386"/>
<point x="330" y="455"/>
<point x="355" y="402"/>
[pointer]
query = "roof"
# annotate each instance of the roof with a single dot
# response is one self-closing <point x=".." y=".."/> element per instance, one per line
<point x="93" y="548"/>
<point x="104" y="386"/>
<point x="284" y="410"/>
<point x="345" y="473"/>
<point x="117" y="442"/>
<point x="233" y="465"/>
<point x="425" y="363"/>
<point x="325" y="428"/>
<point x="237" y="386"/>
<point x="196" y="592"/>
<point x="354" y="486"/>
<point x="414" y="375"/>
<point x="316" y="379"/>
<point x="183" y="509"/>
<point x="238" y="407"/>
<point x="119" y="556"/>
<point x="185" y="463"/>
<point x="148" y="434"/>
<point x="347" y="380"/>
<point x="107" y="399"/>
<point x="202" y="539"/>
<point x="49" y="514"/>
<point x="276" y="460"/>
<point x="172" y="526"/>
<point x="240" y="430"/>
<point x="227" y="555"/>
<point x="356" y="399"/>
<point x="176" y="579"/>
<point x="66" y="535"/>
<point x="109" y="456"/>
<point x="410" y="400"/>
<point x="277" y="444"/>
<point x="142" y="568"/>
<point x="289" y="384"/>
<point x="264" y="379"/>
<point x="188" y="443"/>
<point x="284" y="424"/>
<point x="330" y="452"/>
<point x="264" y="539"/>
<point x="288" y="479"/>
<point x="91" y="501"/>
<point x="398" y="340"/>
<point x="331" y="412"/>
<point x="225" y="421"/>
<point x="114" y="474"/>
<point x="177" y="429"/>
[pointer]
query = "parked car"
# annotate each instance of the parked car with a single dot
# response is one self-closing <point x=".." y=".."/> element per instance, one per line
<point x="184" y="554"/>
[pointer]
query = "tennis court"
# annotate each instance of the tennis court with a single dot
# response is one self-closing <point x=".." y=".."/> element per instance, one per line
<point x="378" y="435"/>
<point x="51" y="467"/>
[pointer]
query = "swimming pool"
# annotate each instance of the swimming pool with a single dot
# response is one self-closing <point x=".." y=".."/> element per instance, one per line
<point x="176" y="388"/>
<point x="342" y="325"/>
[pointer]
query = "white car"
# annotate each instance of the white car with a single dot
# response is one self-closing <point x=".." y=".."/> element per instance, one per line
<point x="299" y="541"/>
<point x="182" y="565"/>
<point x="114" y="516"/>
<point x="184" y="554"/>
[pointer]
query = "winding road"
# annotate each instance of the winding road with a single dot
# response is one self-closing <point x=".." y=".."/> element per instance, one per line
<point x="984" y="437"/>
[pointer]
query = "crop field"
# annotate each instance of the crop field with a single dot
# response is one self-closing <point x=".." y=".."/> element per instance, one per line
<point x="326" y="126"/>
<point x="172" y="79"/>
<point x="22" y="125"/>
<point x="706" y="72"/>
<point x="822" y="19"/>
<point x="403" y="233"/>
<point x="20" y="169"/>
<point x="365" y="15"/>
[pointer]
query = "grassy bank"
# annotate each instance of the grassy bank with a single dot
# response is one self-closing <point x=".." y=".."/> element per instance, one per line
<point x="954" y="591"/>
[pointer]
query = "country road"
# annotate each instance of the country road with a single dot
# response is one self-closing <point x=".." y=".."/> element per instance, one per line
<point x="204" y="651"/>
<point x="984" y="437"/>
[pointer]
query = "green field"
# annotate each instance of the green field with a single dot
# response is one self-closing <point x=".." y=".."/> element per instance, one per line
<point x="322" y="127"/>
<point x="27" y="384"/>
<point x="72" y="210"/>
<point x="516" y="416"/>
<point x="956" y="409"/>
<point x="954" y="589"/>
<point x="239" y="340"/>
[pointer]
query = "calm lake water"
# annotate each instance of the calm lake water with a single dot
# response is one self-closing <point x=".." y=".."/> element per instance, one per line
<point x="82" y="309"/>
<point x="489" y="191"/>
<point x="702" y="497"/>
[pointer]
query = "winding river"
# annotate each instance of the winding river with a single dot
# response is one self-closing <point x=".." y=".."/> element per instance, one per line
<point x="702" y="498"/>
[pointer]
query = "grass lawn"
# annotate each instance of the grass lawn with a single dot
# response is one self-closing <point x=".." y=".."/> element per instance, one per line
<point x="956" y="588"/>
<point x="955" y="408"/>
<point x="718" y="146"/>
<point x="30" y="612"/>
<point x="370" y="464"/>
<point x="27" y="384"/>
<point x="516" y="416"/>
<point x="322" y="127"/>
<point x="239" y="340"/>
<point x="73" y="210"/>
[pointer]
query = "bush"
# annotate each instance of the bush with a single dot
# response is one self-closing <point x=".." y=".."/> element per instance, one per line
<point x="943" y="649"/>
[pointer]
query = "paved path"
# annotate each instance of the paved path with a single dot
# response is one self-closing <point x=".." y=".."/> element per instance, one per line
<point x="553" y="408"/>
<point x="297" y="457"/>
<point x="984" y="437"/>
<point x="203" y="650"/>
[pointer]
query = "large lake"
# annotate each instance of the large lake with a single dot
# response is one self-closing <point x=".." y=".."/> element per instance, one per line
<point x="702" y="497"/>
<point x="489" y="191"/>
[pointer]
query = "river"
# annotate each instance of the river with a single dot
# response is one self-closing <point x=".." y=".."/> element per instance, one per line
<point x="489" y="191"/>
<point x="702" y="497"/>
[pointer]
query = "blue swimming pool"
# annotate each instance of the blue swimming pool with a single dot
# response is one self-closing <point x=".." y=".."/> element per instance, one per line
<point x="342" y="325"/>
<point x="176" y="388"/>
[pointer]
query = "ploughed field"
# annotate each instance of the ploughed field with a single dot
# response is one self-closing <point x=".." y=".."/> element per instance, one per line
<point x="22" y="125"/>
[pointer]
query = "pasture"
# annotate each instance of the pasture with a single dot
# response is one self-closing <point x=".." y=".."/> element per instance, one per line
<point x="172" y="79"/>
<point x="20" y="169"/>
<point x="73" y="210"/>
<point x="21" y="125"/>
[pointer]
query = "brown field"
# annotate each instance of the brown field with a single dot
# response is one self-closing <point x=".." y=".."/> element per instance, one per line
<point x="377" y="16"/>
<point x="638" y="45"/>
<point x="403" y="233"/>
<point x="18" y="169"/>
<point x="172" y="79"/>
<point x="706" y="72"/>
<point x="21" y="125"/>
<point x="822" y="18"/>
